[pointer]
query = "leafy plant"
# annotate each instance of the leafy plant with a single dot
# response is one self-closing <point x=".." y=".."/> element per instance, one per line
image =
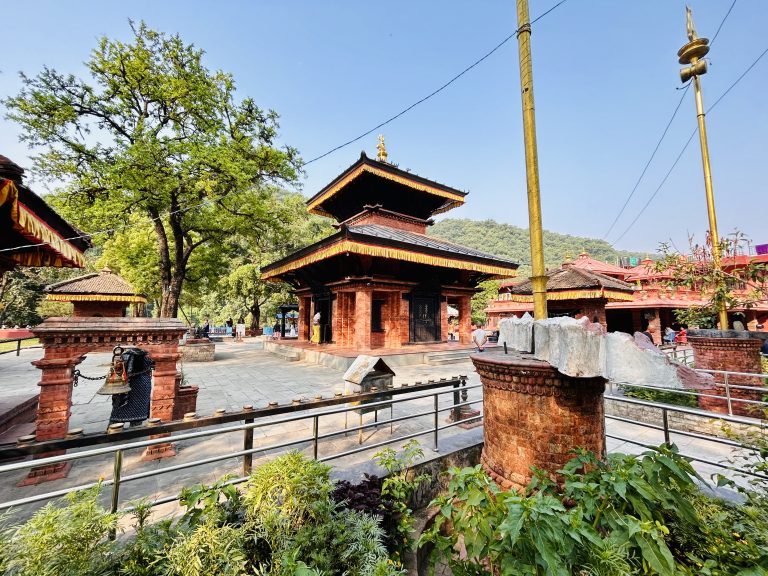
<point x="398" y="488"/>
<point x="208" y="549"/>
<point x="736" y="287"/>
<point x="627" y="515"/>
<point x="219" y="503"/>
<point x="62" y="541"/>
<point x="661" y="396"/>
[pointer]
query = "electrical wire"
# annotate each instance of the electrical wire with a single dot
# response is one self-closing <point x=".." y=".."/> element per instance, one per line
<point x="433" y="93"/>
<point x="663" y="134"/>
<point x="716" y="102"/>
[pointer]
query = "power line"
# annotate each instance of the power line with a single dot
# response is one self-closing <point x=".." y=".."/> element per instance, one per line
<point x="663" y="134"/>
<point x="401" y="113"/>
<point x="719" y="99"/>
<point x="433" y="93"/>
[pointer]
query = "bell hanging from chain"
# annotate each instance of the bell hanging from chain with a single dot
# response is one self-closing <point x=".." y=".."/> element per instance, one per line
<point x="117" y="381"/>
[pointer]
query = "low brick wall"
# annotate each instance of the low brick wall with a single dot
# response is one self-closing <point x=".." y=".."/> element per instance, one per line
<point x="701" y="424"/>
<point x="198" y="350"/>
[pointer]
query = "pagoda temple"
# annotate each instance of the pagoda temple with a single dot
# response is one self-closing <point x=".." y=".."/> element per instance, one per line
<point x="381" y="281"/>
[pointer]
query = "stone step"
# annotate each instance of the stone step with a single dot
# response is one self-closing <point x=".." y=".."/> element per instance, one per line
<point x="449" y="357"/>
<point x="288" y="356"/>
<point x="442" y="361"/>
<point x="17" y="409"/>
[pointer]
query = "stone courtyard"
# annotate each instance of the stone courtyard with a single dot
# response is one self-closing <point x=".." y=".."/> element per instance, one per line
<point x="244" y="373"/>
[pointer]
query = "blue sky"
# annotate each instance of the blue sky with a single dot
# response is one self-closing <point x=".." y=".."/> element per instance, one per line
<point x="606" y="84"/>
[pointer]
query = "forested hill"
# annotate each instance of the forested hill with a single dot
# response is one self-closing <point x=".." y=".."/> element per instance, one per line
<point x="512" y="242"/>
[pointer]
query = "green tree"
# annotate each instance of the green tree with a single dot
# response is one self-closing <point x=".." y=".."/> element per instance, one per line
<point x="156" y="133"/>
<point x="729" y="287"/>
<point x="294" y="229"/>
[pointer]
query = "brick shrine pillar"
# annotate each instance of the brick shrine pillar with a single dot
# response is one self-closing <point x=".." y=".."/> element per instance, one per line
<point x="465" y="319"/>
<point x="54" y="407"/>
<point x="361" y="338"/>
<point x="534" y="416"/>
<point x="165" y="392"/>
<point x="733" y="354"/>
<point x="65" y="342"/>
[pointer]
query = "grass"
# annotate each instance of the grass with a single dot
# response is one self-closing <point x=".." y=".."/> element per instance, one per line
<point x="11" y="346"/>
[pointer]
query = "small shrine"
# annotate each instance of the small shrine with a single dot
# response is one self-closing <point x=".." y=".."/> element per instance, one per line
<point x="101" y="293"/>
<point x="381" y="281"/>
<point x="571" y="291"/>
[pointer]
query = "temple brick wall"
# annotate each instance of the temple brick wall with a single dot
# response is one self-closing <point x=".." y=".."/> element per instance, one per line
<point x="734" y="355"/>
<point x="103" y="309"/>
<point x="389" y="221"/>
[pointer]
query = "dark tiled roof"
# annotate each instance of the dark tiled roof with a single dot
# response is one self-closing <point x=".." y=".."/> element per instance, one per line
<point x="104" y="282"/>
<point x="573" y="278"/>
<point x="422" y="240"/>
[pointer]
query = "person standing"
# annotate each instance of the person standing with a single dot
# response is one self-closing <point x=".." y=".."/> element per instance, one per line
<point x="206" y="328"/>
<point x="479" y="338"/>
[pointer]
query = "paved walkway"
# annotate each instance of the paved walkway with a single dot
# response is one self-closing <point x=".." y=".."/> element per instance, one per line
<point x="246" y="374"/>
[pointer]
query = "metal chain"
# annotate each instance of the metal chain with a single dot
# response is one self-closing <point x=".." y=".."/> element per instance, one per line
<point x="76" y="375"/>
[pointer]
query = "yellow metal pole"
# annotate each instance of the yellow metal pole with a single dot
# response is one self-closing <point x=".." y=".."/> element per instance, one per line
<point x="538" y="278"/>
<point x="722" y="314"/>
<point x="693" y="53"/>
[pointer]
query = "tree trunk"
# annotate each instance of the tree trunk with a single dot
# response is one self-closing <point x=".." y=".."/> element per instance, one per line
<point x="255" y="311"/>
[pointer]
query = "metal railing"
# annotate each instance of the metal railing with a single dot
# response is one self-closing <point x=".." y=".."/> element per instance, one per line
<point x="668" y="432"/>
<point x="18" y="344"/>
<point x="247" y="421"/>
<point x="252" y="420"/>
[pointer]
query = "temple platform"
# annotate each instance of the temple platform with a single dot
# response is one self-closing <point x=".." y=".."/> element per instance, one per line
<point x="340" y="358"/>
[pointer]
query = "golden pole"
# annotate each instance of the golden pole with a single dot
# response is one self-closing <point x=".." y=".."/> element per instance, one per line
<point x="692" y="53"/>
<point x="538" y="278"/>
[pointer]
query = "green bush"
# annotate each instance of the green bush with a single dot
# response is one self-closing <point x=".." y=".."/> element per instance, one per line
<point x="661" y="396"/>
<point x="284" y="523"/>
<point x="627" y="515"/>
<point x="69" y="540"/>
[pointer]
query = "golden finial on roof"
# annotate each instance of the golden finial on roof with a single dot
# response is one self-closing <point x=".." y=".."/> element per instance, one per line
<point x="689" y="23"/>
<point x="381" y="149"/>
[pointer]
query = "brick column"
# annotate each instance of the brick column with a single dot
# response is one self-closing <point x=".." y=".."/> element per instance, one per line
<point x="733" y="355"/>
<point x="443" y="319"/>
<point x="164" y="397"/>
<point x="534" y="416"/>
<point x="54" y="408"/>
<point x="301" y="324"/>
<point x="362" y="322"/>
<point x="465" y="319"/>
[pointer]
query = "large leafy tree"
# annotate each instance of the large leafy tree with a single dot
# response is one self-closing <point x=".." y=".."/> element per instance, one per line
<point x="156" y="133"/>
<point x="243" y="286"/>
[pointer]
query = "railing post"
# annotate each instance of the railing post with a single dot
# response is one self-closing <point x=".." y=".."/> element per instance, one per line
<point x="118" y="470"/>
<point x="18" y="347"/>
<point x="728" y="395"/>
<point x="315" y="430"/>
<point x="247" y="445"/>
<point x="665" y="420"/>
<point x="437" y="422"/>
<point x="456" y="402"/>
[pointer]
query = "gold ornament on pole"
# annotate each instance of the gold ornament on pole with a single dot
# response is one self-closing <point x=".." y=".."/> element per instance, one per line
<point x="693" y="53"/>
<point x="538" y="276"/>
